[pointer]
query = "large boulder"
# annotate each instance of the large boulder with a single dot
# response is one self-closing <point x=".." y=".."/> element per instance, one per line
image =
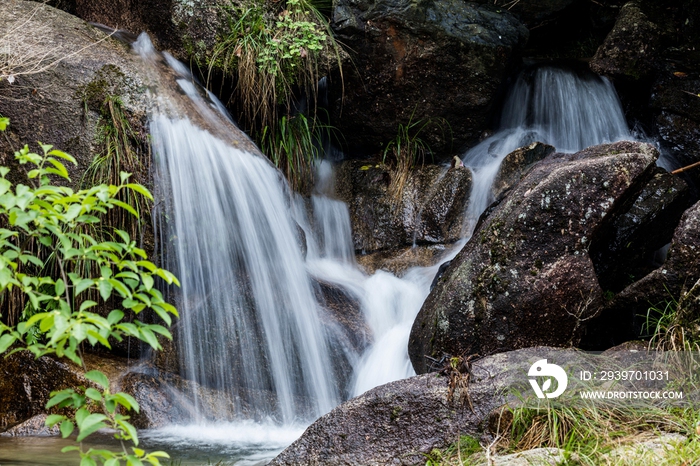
<point x="64" y="72"/>
<point x="640" y="232"/>
<point x="631" y="48"/>
<point x="419" y="60"/>
<point x="400" y="422"/>
<point x="526" y="278"/>
<point x="429" y="209"/>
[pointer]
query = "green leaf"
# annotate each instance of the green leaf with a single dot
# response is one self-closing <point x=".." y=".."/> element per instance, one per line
<point x="112" y="462"/>
<point x="83" y="285"/>
<point x="100" y="338"/>
<point x="70" y="448"/>
<point x="105" y="289"/>
<point x="90" y="425"/>
<point x="54" y="419"/>
<point x="99" y="378"/>
<point x="87" y="305"/>
<point x="115" y="316"/>
<point x="4" y="122"/>
<point x="147" y="281"/>
<point x="67" y="428"/>
<point x="6" y="341"/>
<point x="93" y="394"/>
<point x="126" y="400"/>
<point x="140" y="189"/>
<point x="87" y="461"/>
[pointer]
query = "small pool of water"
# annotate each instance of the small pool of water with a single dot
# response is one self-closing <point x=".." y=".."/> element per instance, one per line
<point x="239" y="444"/>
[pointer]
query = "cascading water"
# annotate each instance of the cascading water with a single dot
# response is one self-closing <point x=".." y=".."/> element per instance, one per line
<point x="550" y="105"/>
<point x="251" y="324"/>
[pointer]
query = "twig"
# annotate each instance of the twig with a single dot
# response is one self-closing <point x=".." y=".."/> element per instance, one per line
<point x="687" y="167"/>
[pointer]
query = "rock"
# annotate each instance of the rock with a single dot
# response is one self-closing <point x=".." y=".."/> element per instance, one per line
<point x="429" y="210"/>
<point x="26" y="384"/>
<point x="35" y="426"/>
<point x="631" y="49"/>
<point x="536" y="456"/>
<point x="624" y="317"/>
<point x="400" y="422"/>
<point x="657" y="448"/>
<point x="516" y="164"/>
<point x="399" y="261"/>
<point x="525" y="278"/>
<point x="533" y="13"/>
<point x="415" y="61"/>
<point x="181" y="27"/>
<point x="680" y="136"/>
<point x="640" y="232"/>
<point x="167" y="399"/>
<point x="82" y="67"/>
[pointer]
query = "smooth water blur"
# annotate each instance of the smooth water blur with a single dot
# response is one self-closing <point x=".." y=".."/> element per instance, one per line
<point x="249" y="319"/>
<point x="551" y="105"/>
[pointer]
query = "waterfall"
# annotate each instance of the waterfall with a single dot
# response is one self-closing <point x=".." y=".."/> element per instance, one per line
<point x="251" y="321"/>
<point x="552" y="105"/>
<point x="249" y="318"/>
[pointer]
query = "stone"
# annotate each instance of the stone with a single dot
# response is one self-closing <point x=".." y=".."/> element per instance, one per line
<point x="630" y="50"/>
<point x="438" y="63"/>
<point x="624" y="316"/>
<point x="516" y="164"/>
<point x="525" y="278"/>
<point x="429" y="210"/>
<point x="640" y="232"/>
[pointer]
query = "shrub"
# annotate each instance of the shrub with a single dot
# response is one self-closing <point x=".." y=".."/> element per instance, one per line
<point x="43" y="223"/>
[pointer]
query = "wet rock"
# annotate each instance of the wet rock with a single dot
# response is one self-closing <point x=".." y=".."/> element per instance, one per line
<point x="400" y="422"/>
<point x="525" y="278"/>
<point x="516" y="164"/>
<point x="399" y="261"/>
<point x="680" y="136"/>
<point x="180" y="27"/>
<point x="415" y="61"/>
<point x="26" y="384"/>
<point x="624" y="316"/>
<point x="429" y="209"/>
<point x="631" y="48"/>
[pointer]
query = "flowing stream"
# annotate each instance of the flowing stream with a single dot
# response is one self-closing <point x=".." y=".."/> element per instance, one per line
<point x="251" y="322"/>
<point x="252" y="325"/>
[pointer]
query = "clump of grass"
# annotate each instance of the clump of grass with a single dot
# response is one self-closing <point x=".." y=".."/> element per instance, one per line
<point x="406" y="152"/>
<point x="277" y="52"/>
<point x="294" y="145"/>
<point x="461" y="451"/>
<point x="120" y="148"/>
<point x="675" y="324"/>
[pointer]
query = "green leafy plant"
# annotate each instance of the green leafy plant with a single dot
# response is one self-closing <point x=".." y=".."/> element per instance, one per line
<point x="272" y="50"/>
<point x="43" y="221"/>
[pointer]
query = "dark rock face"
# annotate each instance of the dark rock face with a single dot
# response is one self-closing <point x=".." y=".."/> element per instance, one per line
<point x="631" y="48"/>
<point x="516" y="164"/>
<point x="26" y="384"/>
<point x="399" y="261"/>
<point x="624" y="317"/>
<point x="526" y="278"/>
<point x="419" y="60"/>
<point x="429" y="210"/>
<point x="180" y="27"/>
<point x="533" y="12"/>
<point x="645" y="228"/>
